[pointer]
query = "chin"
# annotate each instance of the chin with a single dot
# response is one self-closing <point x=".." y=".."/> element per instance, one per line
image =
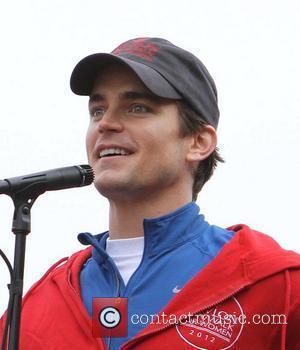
<point x="111" y="188"/>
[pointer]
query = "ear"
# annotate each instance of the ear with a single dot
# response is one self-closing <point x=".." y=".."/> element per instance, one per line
<point x="202" y="144"/>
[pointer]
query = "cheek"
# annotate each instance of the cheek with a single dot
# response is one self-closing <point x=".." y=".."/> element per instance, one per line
<point x="158" y="134"/>
<point x="161" y="147"/>
<point x="90" y="140"/>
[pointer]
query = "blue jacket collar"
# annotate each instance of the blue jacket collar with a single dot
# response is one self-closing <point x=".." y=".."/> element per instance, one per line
<point x="161" y="234"/>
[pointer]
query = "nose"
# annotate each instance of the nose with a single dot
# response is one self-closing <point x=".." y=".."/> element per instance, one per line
<point x="110" y="121"/>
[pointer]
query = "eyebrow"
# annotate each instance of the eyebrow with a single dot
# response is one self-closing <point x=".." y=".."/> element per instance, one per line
<point x="127" y="95"/>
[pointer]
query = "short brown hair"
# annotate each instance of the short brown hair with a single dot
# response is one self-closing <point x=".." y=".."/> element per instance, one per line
<point x="190" y="123"/>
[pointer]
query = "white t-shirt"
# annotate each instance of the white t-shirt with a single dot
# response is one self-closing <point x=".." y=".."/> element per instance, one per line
<point x="126" y="253"/>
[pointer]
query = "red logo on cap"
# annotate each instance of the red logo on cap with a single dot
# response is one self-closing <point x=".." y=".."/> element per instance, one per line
<point x="139" y="47"/>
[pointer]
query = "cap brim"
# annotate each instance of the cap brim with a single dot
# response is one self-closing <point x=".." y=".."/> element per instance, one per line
<point x="85" y="72"/>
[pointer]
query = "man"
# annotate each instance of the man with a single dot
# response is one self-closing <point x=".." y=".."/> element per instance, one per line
<point x="152" y="141"/>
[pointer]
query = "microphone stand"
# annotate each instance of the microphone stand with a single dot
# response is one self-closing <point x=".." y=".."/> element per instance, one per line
<point x="24" y="190"/>
<point x="21" y="227"/>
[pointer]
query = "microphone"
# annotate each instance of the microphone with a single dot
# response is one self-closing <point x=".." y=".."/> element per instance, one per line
<point x="49" y="180"/>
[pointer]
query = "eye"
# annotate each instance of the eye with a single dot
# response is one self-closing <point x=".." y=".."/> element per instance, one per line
<point x="97" y="113"/>
<point x="139" y="108"/>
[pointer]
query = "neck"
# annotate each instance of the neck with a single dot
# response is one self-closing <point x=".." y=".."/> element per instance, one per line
<point x="126" y="216"/>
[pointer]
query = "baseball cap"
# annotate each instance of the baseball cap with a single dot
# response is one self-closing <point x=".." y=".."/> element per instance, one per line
<point x="167" y="70"/>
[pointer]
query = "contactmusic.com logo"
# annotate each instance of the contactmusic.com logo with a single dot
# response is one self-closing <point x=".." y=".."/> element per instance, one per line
<point x="110" y="317"/>
<point x="218" y="329"/>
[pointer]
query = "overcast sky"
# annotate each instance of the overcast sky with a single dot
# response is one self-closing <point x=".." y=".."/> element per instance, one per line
<point x="251" y="49"/>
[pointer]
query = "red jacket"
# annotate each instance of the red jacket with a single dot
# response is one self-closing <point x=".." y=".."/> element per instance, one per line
<point x="252" y="278"/>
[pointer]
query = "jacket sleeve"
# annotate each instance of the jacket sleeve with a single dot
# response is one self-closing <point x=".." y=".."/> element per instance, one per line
<point x="2" y="324"/>
<point x="293" y="321"/>
<point x="28" y="341"/>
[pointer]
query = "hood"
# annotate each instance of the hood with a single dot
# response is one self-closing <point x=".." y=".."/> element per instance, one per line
<point x="248" y="258"/>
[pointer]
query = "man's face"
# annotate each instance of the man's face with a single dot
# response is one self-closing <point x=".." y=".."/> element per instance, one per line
<point x="133" y="141"/>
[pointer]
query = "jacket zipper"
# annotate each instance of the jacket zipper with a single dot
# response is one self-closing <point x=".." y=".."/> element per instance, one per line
<point x="75" y="291"/>
<point x="117" y="295"/>
<point x="118" y="282"/>
<point x="127" y="345"/>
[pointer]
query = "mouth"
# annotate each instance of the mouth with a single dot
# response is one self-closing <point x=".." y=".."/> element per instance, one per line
<point x="113" y="152"/>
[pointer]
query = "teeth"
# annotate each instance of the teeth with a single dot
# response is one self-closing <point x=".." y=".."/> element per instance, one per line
<point x="112" y="151"/>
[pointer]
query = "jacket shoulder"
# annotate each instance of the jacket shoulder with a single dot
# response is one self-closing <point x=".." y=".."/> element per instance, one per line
<point x="49" y="306"/>
<point x="73" y="263"/>
<point x="257" y="245"/>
